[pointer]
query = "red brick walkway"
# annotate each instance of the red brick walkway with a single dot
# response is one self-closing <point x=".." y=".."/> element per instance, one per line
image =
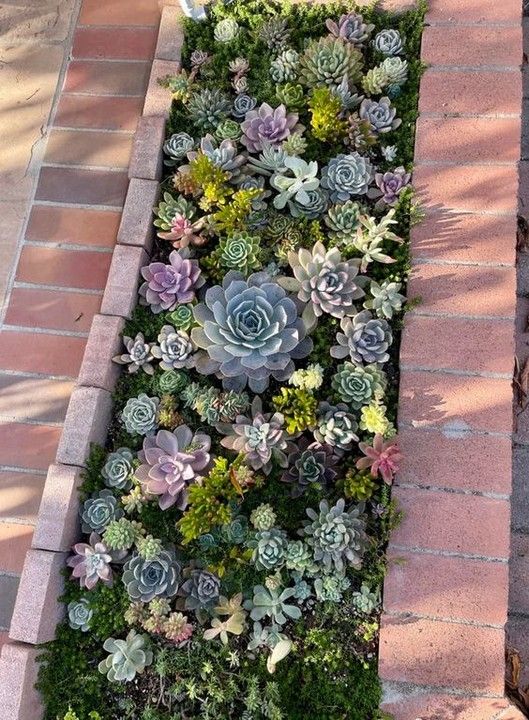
<point x="65" y="256"/>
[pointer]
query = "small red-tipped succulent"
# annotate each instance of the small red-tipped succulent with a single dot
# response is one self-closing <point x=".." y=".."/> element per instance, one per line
<point x="381" y="458"/>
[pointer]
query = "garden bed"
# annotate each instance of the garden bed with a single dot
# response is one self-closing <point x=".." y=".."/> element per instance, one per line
<point x="240" y="511"/>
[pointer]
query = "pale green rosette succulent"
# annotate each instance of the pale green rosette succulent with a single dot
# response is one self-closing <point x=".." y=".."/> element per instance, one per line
<point x="208" y="108"/>
<point x="118" y="467"/>
<point x="99" y="510"/>
<point x="327" y="60"/>
<point x="139" y="415"/>
<point x="269" y="548"/>
<point x="389" y="42"/>
<point x="80" y="614"/>
<point x="342" y="220"/>
<point x="385" y="299"/>
<point x="337" y="427"/>
<point x="299" y="178"/>
<point x="176" y="147"/>
<point x="240" y="251"/>
<point x="285" y="66"/>
<point x="272" y="604"/>
<point x="127" y="657"/>
<point x="226" y="30"/>
<point x="357" y="385"/>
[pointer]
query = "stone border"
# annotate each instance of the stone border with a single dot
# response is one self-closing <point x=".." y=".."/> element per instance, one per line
<point x="447" y="603"/>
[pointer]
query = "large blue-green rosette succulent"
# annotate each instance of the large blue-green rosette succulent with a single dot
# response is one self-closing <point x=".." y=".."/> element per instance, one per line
<point x="250" y="330"/>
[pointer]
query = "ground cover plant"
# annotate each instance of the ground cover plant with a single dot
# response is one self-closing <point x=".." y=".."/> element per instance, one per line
<point x="234" y="527"/>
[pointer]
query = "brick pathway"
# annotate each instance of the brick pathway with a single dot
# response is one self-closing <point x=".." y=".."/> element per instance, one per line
<point x="67" y="229"/>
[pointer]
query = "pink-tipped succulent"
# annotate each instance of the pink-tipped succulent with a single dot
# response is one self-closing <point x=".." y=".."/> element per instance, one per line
<point x="91" y="562"/>
<point x="381" y="458"/>
<point x="184" y="232"/>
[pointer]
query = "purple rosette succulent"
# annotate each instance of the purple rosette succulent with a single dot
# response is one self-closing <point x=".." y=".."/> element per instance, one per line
<point x="267" y="126"/>
<point x="392" y="183"/>
<point x="91" y="562"/>
<point x="171" y="461"/>
<point x="167" y="286"/>
<point x="311" y="463"/>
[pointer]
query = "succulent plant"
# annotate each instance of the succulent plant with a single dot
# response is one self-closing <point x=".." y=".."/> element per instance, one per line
<point x="285" y="66"/>
<point x="313" y="206"/>
<point x="147" y="579"/>
<point x="380" y="114"/>
<point x="327" y="60"/>
<point x="171" y="208"/>
<point x="240" y="251"/>
<point x="351" y="27"/>
<point x="389" y="42"/>
<point x="266" y="125"/>
<point x="250" y="331"/>
<point x="228" y="130"/>
<point x="382" y="458"/>
<point x="337" y="427"/>
<point x="357" y="385"/>
<point x="337" y="536"/>
<point x="127" y="657"/>
<point x="294" y="183"/>
<point x="364" y="338"/>
<point x="98" y="510"/>
<point x="271" y="160"/>
<point x="330" y="588"/>
<point x="385" y="298"/>
<point x="269" y="549"/>
<point x="120" y="535"/>
<point x="263" y="517"/>
<point x="138" y="356"/>
<point x="310" y="464"/>
<point x="223" y="155"/>
<point x="226" y="30"/>
<point x="262" y="438"/>
<point x="207" y="108"/>
<point x="364" y="600"/>
<point x="148" y="547"/>
<point x="291" y="95"/>
<point x="375" y="80"/>
<point x="172" y="382"/>
<point x="174" y="350"/>
<point x="272" y="604"/>
<point x="392" y="183"/>
<point x="358" y="485"/>
<point x="171" y="461"/>
<point x="80" y="614"/>
<point x="236" y="531"/>
<point x="139" y="414"/>
<point x="176" y="147"/>
<point x="360" y="136"/>
<point x="298" y="557"/>
<point x="342" y="220"/>
<point x="199" y="58"/>
<point x="347" y="175"/>
<point x="166" y="286"/>
<point x="274" y="33"/>
<point x="389" y="152"/>
<point x="177" y="628"/>
<point x="396" y="70"/>
<point x="373" y="419"/>
<point x="201" y="590"/>
<point x="242" y="104"/>
<point x="310" y="378"/>
<point x="118" y="467"/>
<point x="91" y="562"/>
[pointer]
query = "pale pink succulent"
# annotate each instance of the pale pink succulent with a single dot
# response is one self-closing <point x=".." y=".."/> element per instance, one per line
<point x="267" y="126"/>
<point x="183" y="232"/>
<point x="382" y="457"/>
<point x="91" y="562"/>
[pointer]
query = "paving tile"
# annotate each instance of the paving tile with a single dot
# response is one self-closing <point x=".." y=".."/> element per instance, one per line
<point x="446" y="587"/>
<point x="468" y="140"/>
<point x="118" y="12"/>
<point x="18" y="674"/>
<point x="118" y="43"/>
<point x="430" y="706"/>
<point x="8" y="593"/>
<point x="83" y="187"/>
<point x="52" y="309"/>
<point x="98" y="111"/>
<point x="472" y="46"/>
<point x="446" y="522"/>
<point x="20" y="495"/>
<point x="73" y="226"/>
<point x="15" y="541"/>
<point x="88" y="147"/>
<point x="25" y="20"/>
<point x="107" y="78"/>
<point x="28" y="446"/>
<point x="58" y="526"/>
<point x="455" y="404"/>
<point x="23" y="398"/>
<point x="50" y="354"/>
<point x="463" y="290"/>
<point x="66" y="268"/>
<point x="465" y="237"/>
<point x="483" y="92"/>
<point x="472" y="463"/>
<point x="13" y="215"/>
<point x="490" y="11"/>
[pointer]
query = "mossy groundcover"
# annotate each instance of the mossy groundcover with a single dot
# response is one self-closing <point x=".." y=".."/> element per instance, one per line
<point x="271" y="336"/>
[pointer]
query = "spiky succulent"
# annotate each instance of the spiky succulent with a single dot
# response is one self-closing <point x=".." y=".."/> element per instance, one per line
<point x="342" y="220"/>
<point x="263" y="517"/>
<point x="357" y="385"/>
<point x="139" y="415"/>
<point x="365" y="338"/>
<point x="269" y="548"/>
<point x="171" y="461"/>
<point x="118" y="467"/>
<point x="127" y="657"/>
<point x="385" y="298"/>
<point x="337" y="536"/>
<point x="226" y="30"/>
<point x="147" y="579"/>
<point x="139" y="355"/>
<point x="91" y="562"/>
<point x="311" y="464"/>
<point x="325" y="282"/>
<point x="174" y="350"/>
<point x="250" y="330"/>
<point x="80" y="614"/>
<point x="272" y="604"/>
<point x="261" y="438"/>
<point x="337" y="426"/>
<point x="351" y="27"/>
<point x="275" y="33"/>
<point x="389" y="42"/>
<point x="285" y="66"/>
<point x="266" y="126"/>
<point x="295" y="182"/>
<point x="240" y="251"/>
<point x="347" y="175"/>
<point x="168" y="285"/>
<point x="327" y="60"/>
<point x="380" y="114"/>
<point x="207" y="108"/>
<point x="98" y="510"/>
<point x="201" y="590"/>
<point x="382" y="458"/>
<point x="176" y="147"/>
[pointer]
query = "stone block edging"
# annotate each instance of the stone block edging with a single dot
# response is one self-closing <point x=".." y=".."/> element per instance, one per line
<point x="466" y="641"/>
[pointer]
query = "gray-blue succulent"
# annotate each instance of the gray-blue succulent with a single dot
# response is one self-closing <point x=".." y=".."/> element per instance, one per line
<point x="347" y="176"/>
<point x="80" y="614"/>
<point x="337" y="426"/>
<point x="98" y="510"/>
<point x="147" y="579"/>
<point x="118" y="468"/>
<point x="269" y="548"/>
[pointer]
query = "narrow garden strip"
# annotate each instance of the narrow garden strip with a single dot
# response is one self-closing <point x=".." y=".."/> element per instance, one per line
<point x="235" y="526"/>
